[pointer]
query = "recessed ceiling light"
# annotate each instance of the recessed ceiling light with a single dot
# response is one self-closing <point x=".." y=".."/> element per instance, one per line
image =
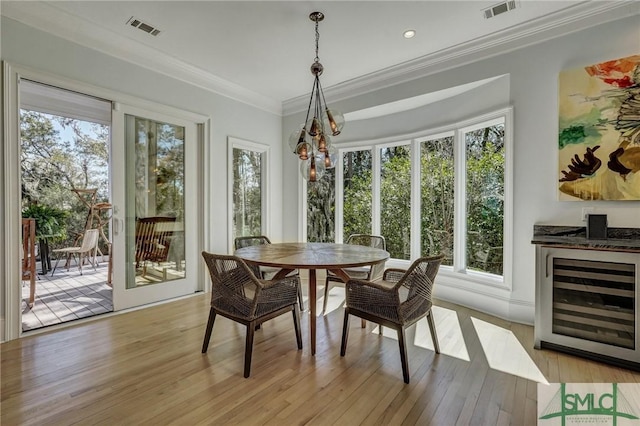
<point x="409" y="33"/>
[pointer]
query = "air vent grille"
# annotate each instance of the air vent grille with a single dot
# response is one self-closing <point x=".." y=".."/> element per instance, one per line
<point x="143" y="26"/>
<point x="499" y="8"/>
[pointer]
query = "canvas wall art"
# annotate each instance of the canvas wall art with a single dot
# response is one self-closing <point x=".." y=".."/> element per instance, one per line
<point x="599" y="131"/>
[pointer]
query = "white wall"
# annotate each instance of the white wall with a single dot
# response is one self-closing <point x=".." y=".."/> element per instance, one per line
<point x="34" y="49"/>
<point x="532" y="91"/>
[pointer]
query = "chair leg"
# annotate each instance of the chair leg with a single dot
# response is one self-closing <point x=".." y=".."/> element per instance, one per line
<point x="345" y="332"/>
<point x="248" y="349"/>
<point x="207" y="333"/>
<point x="403" y="354"/>
<point x="80" y="260"/>
<point x="95" y="259"/>
<point x="55" y="266"/>
<point x="300" y="299"/>
<point x="296" y="325"/>
<point x="326" y="296"/>
<point x="432" y="328"/>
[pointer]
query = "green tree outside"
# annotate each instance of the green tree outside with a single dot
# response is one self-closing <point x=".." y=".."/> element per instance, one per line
<point x="52" y="166"/>
<point x="485" y="157"/>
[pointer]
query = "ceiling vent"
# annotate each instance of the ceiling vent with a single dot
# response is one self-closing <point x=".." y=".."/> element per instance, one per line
<point x="147" y="28"/>
<point x="499" y="8"/>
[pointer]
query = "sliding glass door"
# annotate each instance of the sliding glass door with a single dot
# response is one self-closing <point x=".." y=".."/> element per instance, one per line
<point x="156" y="204"/>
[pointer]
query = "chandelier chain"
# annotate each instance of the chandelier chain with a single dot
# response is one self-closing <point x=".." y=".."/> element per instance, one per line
<point x="317" y="42"/>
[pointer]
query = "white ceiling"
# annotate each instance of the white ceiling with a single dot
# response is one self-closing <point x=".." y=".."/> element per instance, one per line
<point x="263" y="49"/>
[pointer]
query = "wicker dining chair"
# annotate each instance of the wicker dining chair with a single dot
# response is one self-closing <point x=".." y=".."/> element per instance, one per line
<point x="366" y="273"/>
<point x="398" y="301"/>
<point x="239" y="295"/>
<point x="264" y="272"/>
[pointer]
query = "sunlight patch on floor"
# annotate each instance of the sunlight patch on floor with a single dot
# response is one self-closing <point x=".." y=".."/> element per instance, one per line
<point x="505" y="353"/>
<point x="448" y="331"/>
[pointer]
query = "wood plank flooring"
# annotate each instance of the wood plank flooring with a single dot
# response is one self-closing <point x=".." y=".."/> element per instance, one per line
<point x="67" y="296"/>
<point x="145" y="367"/>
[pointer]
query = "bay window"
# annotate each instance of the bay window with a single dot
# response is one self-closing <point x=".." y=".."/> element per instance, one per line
<point x="438" y="191"/>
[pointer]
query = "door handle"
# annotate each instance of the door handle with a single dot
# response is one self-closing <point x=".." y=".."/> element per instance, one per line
<point x="117" y="225"/>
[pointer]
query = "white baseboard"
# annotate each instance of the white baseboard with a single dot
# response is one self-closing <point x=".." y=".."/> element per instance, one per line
<point x="491" y="301"/>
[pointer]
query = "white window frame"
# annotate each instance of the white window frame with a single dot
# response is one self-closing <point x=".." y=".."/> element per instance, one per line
<point x="460" y="226"/>
<point x="264" y="151"/>
<point x="457" y="130"/>
<point x="416" y="199"/>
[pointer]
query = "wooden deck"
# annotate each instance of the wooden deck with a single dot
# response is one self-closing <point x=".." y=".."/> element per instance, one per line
<point x="67" y="296"/>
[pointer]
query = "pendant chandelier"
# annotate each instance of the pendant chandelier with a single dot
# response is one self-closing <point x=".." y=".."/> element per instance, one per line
<point x="311" y="141"/>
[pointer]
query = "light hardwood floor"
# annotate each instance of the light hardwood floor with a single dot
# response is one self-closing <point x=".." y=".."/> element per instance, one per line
<point x="145" y="367"/>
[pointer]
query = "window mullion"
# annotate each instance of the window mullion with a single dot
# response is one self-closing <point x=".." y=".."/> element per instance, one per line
<point x="339" y="201"/>
<point x="415" y="200"/>
<point x="460" y="205"/>
<point x="375" y="189"/>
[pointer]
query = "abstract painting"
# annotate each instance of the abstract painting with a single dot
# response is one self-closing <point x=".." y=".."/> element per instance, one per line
<point x="599" y="131"/>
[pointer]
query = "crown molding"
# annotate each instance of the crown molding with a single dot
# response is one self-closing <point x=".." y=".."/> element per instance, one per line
<point x="53" y="20"/>
<point x="48" y="18"/>
<point x="579" y="17"/>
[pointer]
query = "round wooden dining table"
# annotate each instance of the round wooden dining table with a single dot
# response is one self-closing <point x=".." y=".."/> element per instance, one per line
<point x="314" y="256"/>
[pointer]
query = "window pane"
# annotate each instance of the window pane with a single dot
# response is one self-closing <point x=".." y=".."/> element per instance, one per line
<point x="357" y="193"/>
<point x="155" y="219"/>
<point x="321" y="205"/>
<point x="485" y="198"/>
<point x="247" y="192"/>
<point x="436" y="192"/>
<point x="395" y="200"/>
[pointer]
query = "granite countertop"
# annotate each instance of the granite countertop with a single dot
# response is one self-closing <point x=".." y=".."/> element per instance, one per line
<point x="619" y="239"/>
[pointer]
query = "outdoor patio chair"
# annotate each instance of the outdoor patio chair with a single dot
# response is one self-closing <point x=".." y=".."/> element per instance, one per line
<point x="365" y="273"/>
<point x="239" y="295"/>
<point x="153" y="238"/>
<point x="87" y="250"/>
<point x="264" y="272"/>
<point x="398" y="301"/>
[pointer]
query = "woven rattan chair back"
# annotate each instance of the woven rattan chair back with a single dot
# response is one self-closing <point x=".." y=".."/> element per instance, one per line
<point x="418" y="281"/>
<point x="368" y="273"/>
<point x="265" y="272"/>
<point x="375" y="241"/>
<point x="233" y="285"/>
<point x="252" y="240"/>
<point x="402" y="298"/>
